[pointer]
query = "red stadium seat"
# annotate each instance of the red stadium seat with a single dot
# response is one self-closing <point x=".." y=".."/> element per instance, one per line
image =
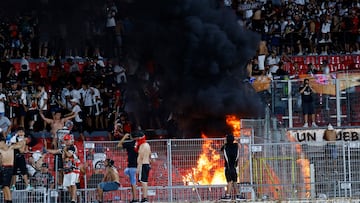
<point x="341" y="67"/>
<point x="348" y="59"/>
<point x="17" y="67"/>
<point x="32" y="66"/>
<point x="356" y="58"/>
<point x="298" y="59"/>
<point x="335" y="59"/>
<point x="323" y="58"/>
<point x="333" y="67"/>
<point x="310" y="59"/>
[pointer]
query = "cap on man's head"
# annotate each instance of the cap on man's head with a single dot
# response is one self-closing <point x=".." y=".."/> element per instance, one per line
<point x="67" y="137"/>
<point x="137" y="134"/>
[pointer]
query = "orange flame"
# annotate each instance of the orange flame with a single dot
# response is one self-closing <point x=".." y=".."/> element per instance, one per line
<point x="210" y="168"/>
<point x="234" y="122"/>
<point x="304" y="165"/>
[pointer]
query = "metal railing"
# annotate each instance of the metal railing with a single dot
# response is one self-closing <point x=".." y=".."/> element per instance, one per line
<point x="192" y="170"/>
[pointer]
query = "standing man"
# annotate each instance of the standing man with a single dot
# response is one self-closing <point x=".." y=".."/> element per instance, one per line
<point x="6" y="162"/>
<point x="111" y="180"/>
<point x="143" y="161"/>
<point x="307" y="103"/>
<point x="20" y="162"/>
<point x="129" y="144"/>
<point x="70" y="166"/>
<point x="231" y="156"/>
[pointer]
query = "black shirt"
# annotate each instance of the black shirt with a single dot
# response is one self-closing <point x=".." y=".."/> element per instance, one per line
<point x="230" y="154"/>
<point x="306" y="96"/>
<point x="132" y="155"/>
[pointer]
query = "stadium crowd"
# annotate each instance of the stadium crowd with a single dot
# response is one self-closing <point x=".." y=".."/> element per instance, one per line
<point x="89" y="86"/>
<point x="96" y="78"/>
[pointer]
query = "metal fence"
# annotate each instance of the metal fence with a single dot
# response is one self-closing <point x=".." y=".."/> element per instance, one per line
<point x="192" y="170"/>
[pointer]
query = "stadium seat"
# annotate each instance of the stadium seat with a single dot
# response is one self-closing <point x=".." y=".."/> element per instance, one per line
<point x="323" y="58"/>
<point x="348" y="59"/>
<point x="356" y="58"/>
<point x="341" y="67"/>
<point x="298" y="59"/>
<point x="333" y="67"/>
<point x="335" y="59"/>
<point x="310" y="59"/>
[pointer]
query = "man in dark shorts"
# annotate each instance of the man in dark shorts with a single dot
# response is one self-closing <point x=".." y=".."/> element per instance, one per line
<point x="7" y="165"/>
<point x="231" y="156"/>
<point x="19" y="139"/>
<point x="143" y="161"/>
<point x="307" y="103"/>
<point x="129" y="144"/>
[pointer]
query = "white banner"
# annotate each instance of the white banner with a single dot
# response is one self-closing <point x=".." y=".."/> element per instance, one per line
<point x="315" y="136"/>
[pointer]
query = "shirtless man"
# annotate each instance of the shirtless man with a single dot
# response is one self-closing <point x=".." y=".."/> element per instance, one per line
<point x="7" y="163"/>
<point x="263" y="52"/>
<point x="143" y="161"/>
<point x="110" y="182"/>
<point x="56" y="124"/>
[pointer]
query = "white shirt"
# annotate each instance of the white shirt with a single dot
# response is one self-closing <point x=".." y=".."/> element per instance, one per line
<point x="43" y="101"/>
<point x="2" y="104"/>
<point x="120" y="73"/>
<point x="23" y="97"/>
<point x="65" y="92"/>
<point x="96" y="95"/>
<point x="75" y="94"/>
<point x="76" y="109"/>
<point x="87" y="96"/>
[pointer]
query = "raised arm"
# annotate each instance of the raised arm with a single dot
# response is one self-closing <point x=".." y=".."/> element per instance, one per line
<point x="47" y="120"/>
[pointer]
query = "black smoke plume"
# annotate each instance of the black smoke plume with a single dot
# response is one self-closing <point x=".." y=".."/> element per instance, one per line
<point x="199" y="49"/>
<point x="202" y="51"/>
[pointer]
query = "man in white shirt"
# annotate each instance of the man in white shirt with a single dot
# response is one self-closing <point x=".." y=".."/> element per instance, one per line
<point x="78" y="124"/>
<point x="87" y="93"/>
<point x="42" y="97"/>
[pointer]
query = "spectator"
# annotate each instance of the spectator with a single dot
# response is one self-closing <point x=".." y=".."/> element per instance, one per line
<point x="78" y="124"/>
<point x="110" y="182"/>
<point x="42" y="97"/>
<point x="231" y="155"/>
<point x="56" y="123"/>
<point x="43" y="180"/>
<point x="263" y="52"/>
<point x="307" y="100"/>
<point x="7" y="162"/>
<point x="311" y="69"/>
<point x="19" y="141"/>
<point x="128" y="143"/>
<point x="143" y="162"/>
